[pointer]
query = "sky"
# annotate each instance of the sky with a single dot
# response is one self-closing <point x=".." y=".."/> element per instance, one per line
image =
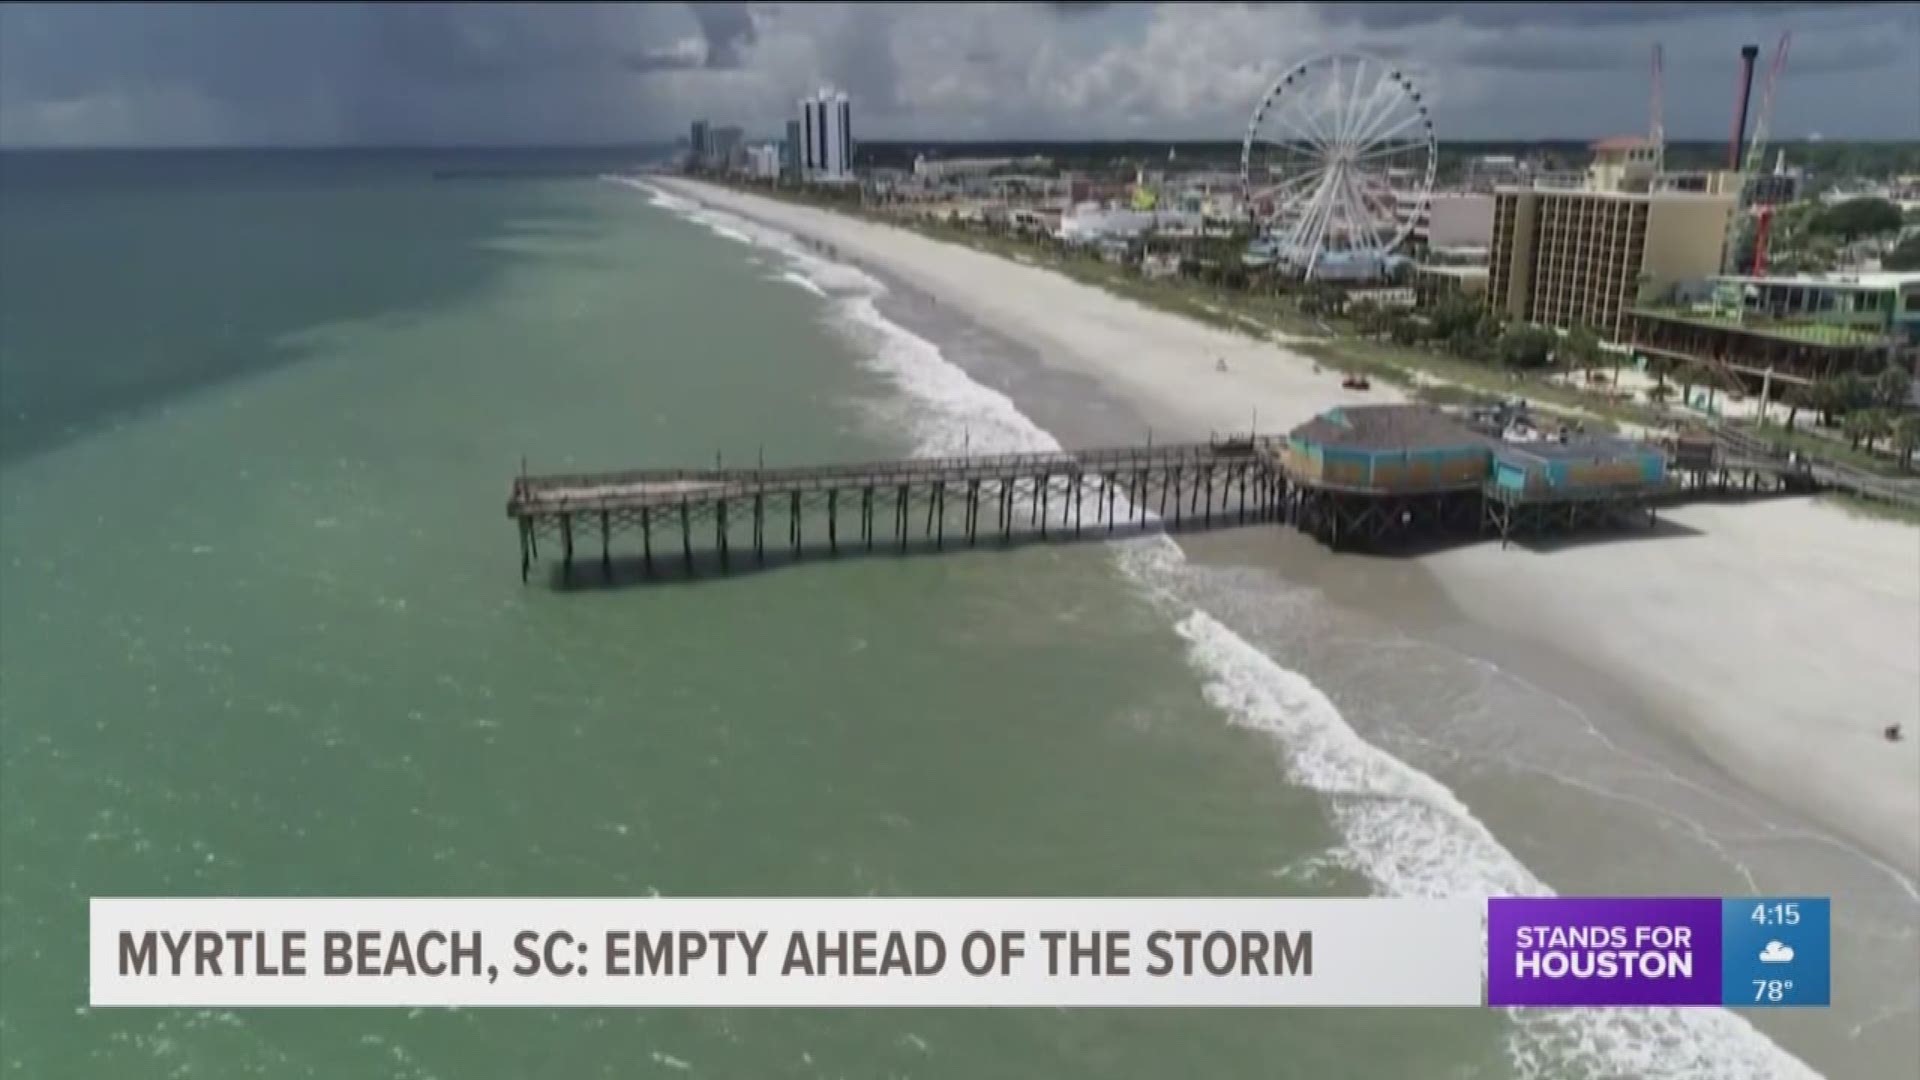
<point x="511" y="74"/>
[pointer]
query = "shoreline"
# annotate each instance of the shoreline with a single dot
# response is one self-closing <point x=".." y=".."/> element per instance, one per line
<point x="1790" y="611"/>
<point x="1551" y="769"/>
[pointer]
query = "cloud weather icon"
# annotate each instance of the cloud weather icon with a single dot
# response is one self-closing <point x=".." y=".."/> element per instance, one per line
<point x="1776" y="953"/>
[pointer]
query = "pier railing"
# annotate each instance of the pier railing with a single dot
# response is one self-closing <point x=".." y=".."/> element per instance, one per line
<point x="1753" y="450"/>
<point x="561" y="492"/>
<point x="1177" y="483"/>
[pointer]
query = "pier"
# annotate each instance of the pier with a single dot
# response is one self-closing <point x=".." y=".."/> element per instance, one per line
<point x="1365" y="477"/>
<point x="738" y="513"/>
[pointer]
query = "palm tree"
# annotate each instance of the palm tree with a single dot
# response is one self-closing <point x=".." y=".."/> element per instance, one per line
<point x="1892" y="386"/>
<point x="1906" y="438"/>
<point x="1827" y="398"/>
<point x="1796" y="398"/>
<point x="1864" y="426"/>
<point x="1367" y="316"/>
<point x="1579" y="349"/>
<point x="1856" y="392"/>
<point x="1660" y="366"/>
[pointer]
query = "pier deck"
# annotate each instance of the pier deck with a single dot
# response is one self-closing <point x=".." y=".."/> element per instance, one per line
<point x="1177" y="484"/>
<point x="1372" y="476"/>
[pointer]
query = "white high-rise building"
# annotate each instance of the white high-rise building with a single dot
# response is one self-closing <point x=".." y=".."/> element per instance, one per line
<point x="826" y="130"/>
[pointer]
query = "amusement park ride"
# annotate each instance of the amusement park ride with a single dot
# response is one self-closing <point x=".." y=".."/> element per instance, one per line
<point x="1751" y="166"/>
<point x="1338" y="163"/>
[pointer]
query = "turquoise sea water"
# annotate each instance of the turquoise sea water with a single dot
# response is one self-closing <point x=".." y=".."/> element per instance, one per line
<point x="264" y="634"/>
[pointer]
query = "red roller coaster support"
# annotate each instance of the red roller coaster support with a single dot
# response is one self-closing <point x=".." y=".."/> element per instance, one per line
<point x="1763" y="220"/>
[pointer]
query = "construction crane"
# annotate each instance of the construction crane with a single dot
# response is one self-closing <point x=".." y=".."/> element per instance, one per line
<point x="1757" y="151"/>
<point x="1750" y="166"/>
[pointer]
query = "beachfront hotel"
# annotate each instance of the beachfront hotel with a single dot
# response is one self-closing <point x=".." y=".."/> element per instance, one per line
<point x="826" y="130"/>
<point x="1580" y="249"/>
<point x="1581" y="257"/>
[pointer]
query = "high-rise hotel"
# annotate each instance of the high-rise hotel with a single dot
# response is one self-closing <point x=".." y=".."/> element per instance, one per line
<point x="826" y="132"/>
<point x="1582" y="253"/>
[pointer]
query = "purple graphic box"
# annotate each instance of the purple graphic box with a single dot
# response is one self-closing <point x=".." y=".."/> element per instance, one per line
<point x="1576" y="951"/>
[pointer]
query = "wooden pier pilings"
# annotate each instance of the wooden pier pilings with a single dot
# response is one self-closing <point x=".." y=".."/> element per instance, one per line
<point x="897" y="503"/>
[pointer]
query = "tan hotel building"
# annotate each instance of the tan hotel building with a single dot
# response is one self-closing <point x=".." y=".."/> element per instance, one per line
<point x="1566" y="257"/>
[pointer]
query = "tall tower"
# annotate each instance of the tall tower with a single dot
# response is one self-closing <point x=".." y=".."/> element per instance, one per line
<point x="792" y="154"/>
<point x="826" y="130"/>
<point x="808" y="162"/>
<point x="822" y="135"/>
<point x="844" y="112"/>
<point x="830" y="104"/>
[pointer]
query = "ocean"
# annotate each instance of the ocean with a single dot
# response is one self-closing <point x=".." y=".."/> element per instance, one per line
<point x="264" y="634"/>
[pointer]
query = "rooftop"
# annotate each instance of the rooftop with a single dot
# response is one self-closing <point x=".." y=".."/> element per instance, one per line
<point x="1865" y="279"/>
<point x="1808" y="333"/>
<point x="1578" y="447"/>
<point x="1663" y="195"/>
<point x="1386" y="427"/>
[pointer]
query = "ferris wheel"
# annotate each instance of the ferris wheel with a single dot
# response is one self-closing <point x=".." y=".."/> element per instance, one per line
<point x="1338" y="162"/>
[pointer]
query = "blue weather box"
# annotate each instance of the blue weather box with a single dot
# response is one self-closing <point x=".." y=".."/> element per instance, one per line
<point x="1775" y="951"/>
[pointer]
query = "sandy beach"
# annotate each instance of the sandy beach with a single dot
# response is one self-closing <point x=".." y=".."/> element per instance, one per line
<point x="1784" y="635"/>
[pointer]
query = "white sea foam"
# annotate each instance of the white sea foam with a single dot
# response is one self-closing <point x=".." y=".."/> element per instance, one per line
<point x="1403" y="830"/>
<point x="951" y="413"/>
<point x="796" y="278"/>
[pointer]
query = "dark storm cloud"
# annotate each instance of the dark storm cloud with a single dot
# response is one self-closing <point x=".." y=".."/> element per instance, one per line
<point x="182" y="74"/>
<point x="861" y="52"/>
<point x="727" y="28"/>
<point x="59" y="50"/>
<point x="346" y="72"/>
<point x="1551" y="55"/>
<point x="1394" y="16"/>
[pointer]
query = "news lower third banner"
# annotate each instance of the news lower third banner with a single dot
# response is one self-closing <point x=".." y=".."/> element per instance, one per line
<point x="1753" y="952"/>
<point x="866" y="952"/>
<point x="880" y="952"/>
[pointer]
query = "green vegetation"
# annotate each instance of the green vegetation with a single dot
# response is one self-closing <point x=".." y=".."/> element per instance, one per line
<point x="1526" y="347"/>
<point x="1906" y="438"/>
<point x="1874" y="509"/>
<point x="1855" y="218"/>
<point x="1808" y="237"/>
<point x="1904" y="256"/>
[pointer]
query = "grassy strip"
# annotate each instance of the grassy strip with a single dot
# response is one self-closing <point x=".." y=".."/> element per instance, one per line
<point x="1466" y="382"/>
<point x="1872" y="509"/>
